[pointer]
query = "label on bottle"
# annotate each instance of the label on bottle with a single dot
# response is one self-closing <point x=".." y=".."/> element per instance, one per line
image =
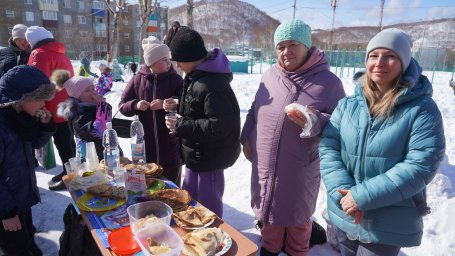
<point x="138" y="152"/>
<point x="111" y="162"/>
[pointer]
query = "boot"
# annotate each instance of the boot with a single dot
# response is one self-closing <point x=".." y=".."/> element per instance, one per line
<point x="265" y="252"/>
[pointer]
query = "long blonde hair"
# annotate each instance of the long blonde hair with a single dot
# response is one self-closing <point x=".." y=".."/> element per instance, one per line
<point x="382" y="105"/>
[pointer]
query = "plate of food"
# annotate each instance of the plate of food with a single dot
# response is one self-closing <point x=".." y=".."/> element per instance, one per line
<point x="151" y="170"/>
<point x="194" y="218"/>
<point x="94" y="203"/>
<point x="177" y="199"/>
<point x="206" y="241"/>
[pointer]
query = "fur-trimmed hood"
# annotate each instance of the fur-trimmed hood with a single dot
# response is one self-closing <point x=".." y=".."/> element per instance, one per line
<point x="24" y="83"/>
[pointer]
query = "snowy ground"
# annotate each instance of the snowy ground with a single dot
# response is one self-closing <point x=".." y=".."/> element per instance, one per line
<point x="439" y="233"/>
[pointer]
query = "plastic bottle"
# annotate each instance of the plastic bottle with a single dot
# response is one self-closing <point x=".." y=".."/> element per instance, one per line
<point x="111" y="150"/>
<point x="137" y="141"/>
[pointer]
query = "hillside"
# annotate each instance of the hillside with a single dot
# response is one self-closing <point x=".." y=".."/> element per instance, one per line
<point x="227" y="23"/>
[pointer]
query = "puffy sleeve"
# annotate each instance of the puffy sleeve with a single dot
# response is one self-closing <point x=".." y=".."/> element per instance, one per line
<point x="333" y="170"/>
<point x="426" y="149"/>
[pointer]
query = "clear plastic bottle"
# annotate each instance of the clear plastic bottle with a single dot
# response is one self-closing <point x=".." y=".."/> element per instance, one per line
<point x="137" y="141"/>
<point x="111" y="149"/>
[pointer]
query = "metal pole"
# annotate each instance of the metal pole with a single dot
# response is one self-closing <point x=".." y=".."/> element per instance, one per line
<point x="293" y="15"/>
<point x="334" y="5"/>
<point x="382" y="13"/>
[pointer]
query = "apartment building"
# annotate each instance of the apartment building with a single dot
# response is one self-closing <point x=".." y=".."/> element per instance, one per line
<point x="84" y="26"/>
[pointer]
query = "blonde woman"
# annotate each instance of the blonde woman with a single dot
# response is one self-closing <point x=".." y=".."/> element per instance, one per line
<point x="380" y="149"/>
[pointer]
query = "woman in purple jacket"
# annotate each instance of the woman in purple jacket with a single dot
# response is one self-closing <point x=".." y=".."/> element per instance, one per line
<point x="285" y="177"/>
<point x="144" y="95"/>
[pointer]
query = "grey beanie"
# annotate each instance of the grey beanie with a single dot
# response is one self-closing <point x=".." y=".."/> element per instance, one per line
<point x="393" y="39"/>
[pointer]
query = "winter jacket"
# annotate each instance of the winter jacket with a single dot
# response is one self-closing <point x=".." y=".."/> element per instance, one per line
<point x="104" y="83"/>
<point x="60" y="96"/>
<point x="49" y="55"/>
<point x="84" y="69"/>
<point x="209" y="128"/>
<point x="87" y="123"/>
<point x="18" y="187"/>
<point x="117" y="72"/>
<point x="285" y="178"/>
<point x="160" y="146"/>
<point x="12" y="56"/>
<point x="386" y="163"/>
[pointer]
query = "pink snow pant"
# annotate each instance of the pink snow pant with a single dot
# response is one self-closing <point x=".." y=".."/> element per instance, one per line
<point x="297" y="242"/>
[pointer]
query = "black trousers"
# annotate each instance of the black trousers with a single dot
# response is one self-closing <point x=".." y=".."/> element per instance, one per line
<point x="21" y="242"/>
<point x="64" y="142"/>
<point x="174" y="175"/>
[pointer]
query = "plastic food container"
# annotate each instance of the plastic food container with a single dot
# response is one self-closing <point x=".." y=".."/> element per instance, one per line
<point x="145" y="213"/>
<point x="162" y="235"/>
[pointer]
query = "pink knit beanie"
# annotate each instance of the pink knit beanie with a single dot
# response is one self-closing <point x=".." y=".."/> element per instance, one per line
<point x="76" y="85"/>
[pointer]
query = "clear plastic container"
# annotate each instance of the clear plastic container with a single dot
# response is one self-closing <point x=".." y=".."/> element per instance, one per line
<point x="145" y="213"/>
<point x="161" y="234"/>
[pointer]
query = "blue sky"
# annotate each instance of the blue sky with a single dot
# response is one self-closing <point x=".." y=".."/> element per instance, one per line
<point x="318" y="13"/>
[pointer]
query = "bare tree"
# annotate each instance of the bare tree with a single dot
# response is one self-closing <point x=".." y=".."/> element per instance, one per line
<point x="116" y="12"/>
<point x="189" y="13"/>
<point x="146" y="7"/>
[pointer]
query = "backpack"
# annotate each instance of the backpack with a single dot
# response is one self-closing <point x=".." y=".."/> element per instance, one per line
<point x="76" y="239"/>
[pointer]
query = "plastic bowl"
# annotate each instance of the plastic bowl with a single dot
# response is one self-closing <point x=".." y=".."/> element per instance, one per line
<point x="137" y="214"/>
<point x="162" y="234"/>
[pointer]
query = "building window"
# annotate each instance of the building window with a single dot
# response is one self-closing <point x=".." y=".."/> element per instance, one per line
<point x="10" y="30"/>
<point x="83" y="33"/>
<point x="9" y="13"/>
<point x="127" y="48"/>
<point x="81" y="5"/>
<point x="101" y="48"/>
<point x="125" y="22"/>
<point x="126" y="35"/>
<point x="52" y="2"/>
<point x="84" y="47"/>
<point x="66" y="3"/>
<point x="27" y="1"/>
<point x="100" y="33"/>
<point x="81" y="19"/>
<point x="29" y="16"/>
<point x="98" y="5"/>
<point x="49" y="15"/>
<point x="68" y="34"/>
<point x="67" y="19"/>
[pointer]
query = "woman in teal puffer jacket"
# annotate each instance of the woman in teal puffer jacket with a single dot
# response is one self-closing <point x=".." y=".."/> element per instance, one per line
<point x="382" y="146"/>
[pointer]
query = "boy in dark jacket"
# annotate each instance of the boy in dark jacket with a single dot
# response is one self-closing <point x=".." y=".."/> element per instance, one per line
<point x="208" y="124"/>
<point x="144" y="95"/>
<point x="24" y="125"/>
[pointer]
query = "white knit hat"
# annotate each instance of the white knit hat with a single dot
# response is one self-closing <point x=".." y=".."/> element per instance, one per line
<point x="154" y="50"/>
<point x="34" y="34"/>
<point x="19" y="31"/>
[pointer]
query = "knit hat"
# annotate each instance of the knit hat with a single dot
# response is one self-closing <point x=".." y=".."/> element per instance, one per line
<point x="76" y="85"/>
<point x="296" y="30"/>
<point x="154" y="50"/>
<point x="187" y="46"/>
<point x="24" y="83"/>
<point x="19" y="31"/>
<point x="393" y="39"/>
<point x="34" y="34"/>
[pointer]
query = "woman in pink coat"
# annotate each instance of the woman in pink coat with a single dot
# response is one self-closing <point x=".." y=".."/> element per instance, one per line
<point x="285" y="160"/>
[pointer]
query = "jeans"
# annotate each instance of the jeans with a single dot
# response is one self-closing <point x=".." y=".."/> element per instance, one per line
<point x="356" y="248"/>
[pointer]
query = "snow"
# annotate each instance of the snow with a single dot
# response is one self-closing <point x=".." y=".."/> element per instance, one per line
<point x="439" y="231"/>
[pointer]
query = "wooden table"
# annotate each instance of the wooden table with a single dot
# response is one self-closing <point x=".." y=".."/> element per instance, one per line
<point x="240" y="244"/>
